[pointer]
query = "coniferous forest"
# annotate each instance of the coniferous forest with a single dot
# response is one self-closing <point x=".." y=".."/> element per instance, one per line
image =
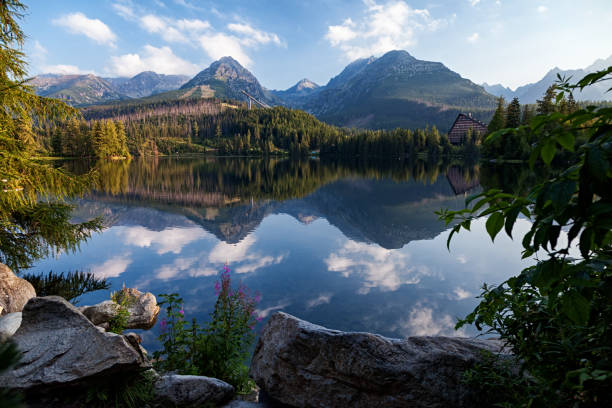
<point x="198" y="126"/>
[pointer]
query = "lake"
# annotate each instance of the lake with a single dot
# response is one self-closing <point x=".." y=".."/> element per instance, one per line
<point x="350" y="246"/>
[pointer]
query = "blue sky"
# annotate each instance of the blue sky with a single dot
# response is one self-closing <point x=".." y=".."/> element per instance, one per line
<point x="512" y="42"/>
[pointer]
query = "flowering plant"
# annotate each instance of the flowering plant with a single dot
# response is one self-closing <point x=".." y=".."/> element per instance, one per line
<point x="218" y="349"/>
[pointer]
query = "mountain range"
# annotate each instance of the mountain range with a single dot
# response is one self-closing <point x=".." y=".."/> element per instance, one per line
<point x="394" y="90"/>
<point x="80" y="90"/>
<point x="530" y="93"/>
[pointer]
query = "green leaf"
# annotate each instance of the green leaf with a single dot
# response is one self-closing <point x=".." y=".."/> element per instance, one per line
<point x="548" y="152"/>
<point x="566" y="140"/>
<point x="576" y="307"/>
<point x="495" y="223"/>
<point x="511" y="215"/>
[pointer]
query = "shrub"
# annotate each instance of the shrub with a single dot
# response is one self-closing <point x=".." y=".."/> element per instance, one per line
<point x="218" y="349"/>
<point x="556" y="315"/>
<point x="119" y="322"/>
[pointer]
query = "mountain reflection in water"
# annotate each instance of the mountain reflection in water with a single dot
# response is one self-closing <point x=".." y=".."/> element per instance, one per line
<point x="352" y="246"/>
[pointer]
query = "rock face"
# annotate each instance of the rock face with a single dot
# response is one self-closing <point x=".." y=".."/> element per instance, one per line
<point x="9" y="324"/>
<point x="191" y="391"/>
<point x="305" y="365"/>
<point x="61" y="346"/>
<point x="14" y="291"/>
<point x="142" y="307"/>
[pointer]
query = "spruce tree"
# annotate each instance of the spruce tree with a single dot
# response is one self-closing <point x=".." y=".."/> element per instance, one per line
<point x="499" y="117"/>
<point x="546" y="105"/>
<point x="513" y="114"/>
<point x="528" y="113"/>
<point x="34" y="220"/>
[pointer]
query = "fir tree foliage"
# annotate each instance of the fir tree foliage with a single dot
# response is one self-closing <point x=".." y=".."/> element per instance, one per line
<point x="33" y="223"/>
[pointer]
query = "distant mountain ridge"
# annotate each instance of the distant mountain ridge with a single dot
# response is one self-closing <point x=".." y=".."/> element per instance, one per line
<point x="530" y="93"/>
<point x="394" y="90"/>
<point x="398" y="90"/>
<point x="89" y="89"/>
<point x="147" y="83"/>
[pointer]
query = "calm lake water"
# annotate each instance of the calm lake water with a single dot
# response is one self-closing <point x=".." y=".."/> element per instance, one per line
<point x="348" y="246"/>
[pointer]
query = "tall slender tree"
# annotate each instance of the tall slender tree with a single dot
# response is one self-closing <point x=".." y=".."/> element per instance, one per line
<point x="499" y="117"/>
<point x="513" y="114"/>
<point x="546" y="105"/>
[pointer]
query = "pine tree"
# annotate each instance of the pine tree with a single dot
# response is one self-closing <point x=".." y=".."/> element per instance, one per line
<point x="513" y="114"/>
<point x="546" y="104"/>
<point x="572" y="106"/>
<point x="528" y="113"/>
<point x="31" y="226"/>
<point x="499" y="117"/>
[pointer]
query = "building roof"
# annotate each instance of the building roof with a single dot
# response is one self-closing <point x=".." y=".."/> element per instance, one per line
<point x="460" y="127"/>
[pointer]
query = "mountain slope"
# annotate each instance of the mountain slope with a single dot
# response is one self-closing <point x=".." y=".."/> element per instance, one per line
<point x="303" y="88"/>
<point x="226" y="78"/>
<point x="75" y="89"/>
<point x="530" y="93"/>
<point x="147" y="83"/>
<point x="398" y="90"/>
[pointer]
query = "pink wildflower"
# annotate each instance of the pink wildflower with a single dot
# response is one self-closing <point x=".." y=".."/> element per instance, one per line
<point x="163" y="325"/>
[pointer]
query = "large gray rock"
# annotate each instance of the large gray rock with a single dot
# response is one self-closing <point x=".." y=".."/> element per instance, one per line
<point x="142" y="307"/>
<point x="187" y="391"/>
<point x="14" y="291"/>
<point x="61" y="346"/>
<point x="305" y="365"/>
<point x="9" y="324"/>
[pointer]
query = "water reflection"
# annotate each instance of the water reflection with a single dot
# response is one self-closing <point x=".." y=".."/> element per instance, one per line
<point x="353" y="246"/>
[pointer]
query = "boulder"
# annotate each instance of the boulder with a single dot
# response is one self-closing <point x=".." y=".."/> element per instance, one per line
<point x="9" y="324"/>
<point x="142" y="307"/>
<point x="187" y="391"/>
<point x="61" y="346"/>
<point x="14" y="291"/>
<point x="304" y="365"/>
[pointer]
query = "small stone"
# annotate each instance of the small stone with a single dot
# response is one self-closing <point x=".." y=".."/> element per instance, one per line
<point x="142" y="307"/>
<point x="9" y="324"/>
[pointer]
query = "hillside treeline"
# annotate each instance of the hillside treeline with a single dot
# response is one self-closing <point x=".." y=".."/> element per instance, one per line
<point x="94" y="139"/>
<point x="198" y="125"/>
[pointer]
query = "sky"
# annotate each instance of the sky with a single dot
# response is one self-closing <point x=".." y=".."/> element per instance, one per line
<point x="512" y="42"/>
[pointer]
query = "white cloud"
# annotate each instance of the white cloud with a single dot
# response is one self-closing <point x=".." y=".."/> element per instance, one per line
<point x="542" y="9"/>
<point x="422" y="322"/>
<point x="124" y="10"/>
<point x="473" y="38"/>
<point x="252" y="36"/>
<point x="241" y="257"/>
<point x="461" y="293"/>
<point x="462" y="259"/>
<point x="64" y="69"/>
<point x="161" y="60"/>
<point x="258" y="263"/>
<point x="244" y="258"/>
<point x="385" y="27"/>
<point x="169" y="240"/>
<point x="78" y="23"/>
<point x="381" y="268"/>
<point x="265" y="312"/>
<point x="221" y="45"/>
<point x="112" y="268"/>
<point x="474" y="2"/>
<point x="322" y="299"/>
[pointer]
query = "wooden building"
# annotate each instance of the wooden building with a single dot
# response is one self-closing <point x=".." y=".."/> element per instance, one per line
<point x="456" y="135"/>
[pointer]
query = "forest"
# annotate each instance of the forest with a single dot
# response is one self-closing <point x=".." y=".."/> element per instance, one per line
<point x="198" y="126"/>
